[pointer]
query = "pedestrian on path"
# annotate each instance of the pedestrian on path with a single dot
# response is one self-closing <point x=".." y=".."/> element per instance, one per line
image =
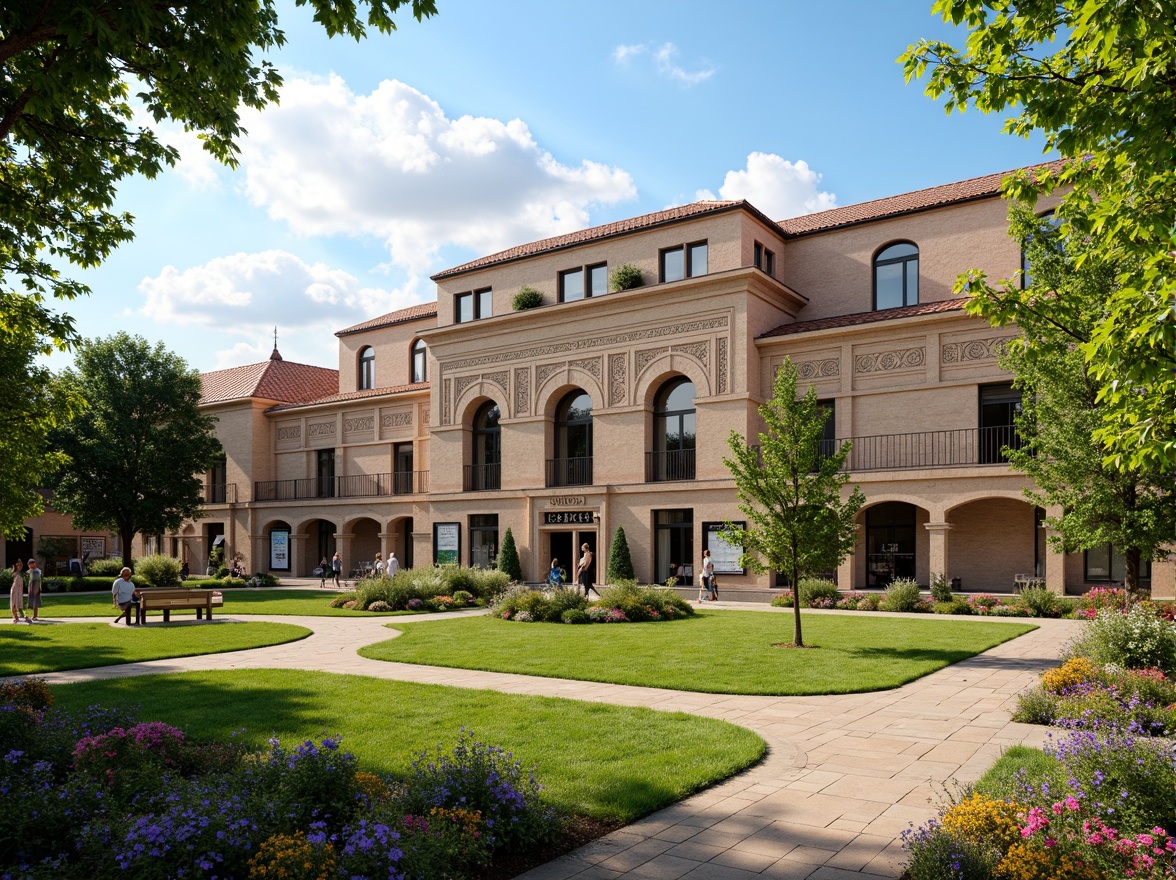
<point x="336" y="568"/>
<point x="393" y="564"/>
<point x="34" y="589"/>
<point x="324" y="571"/>
<point x="16" y="594"/>
<point x="125" y="595"/>
<point x="584" y="570"/>
<point x="708" y="574"/>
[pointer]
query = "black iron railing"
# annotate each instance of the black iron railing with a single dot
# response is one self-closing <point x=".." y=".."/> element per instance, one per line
<point x="220" y="493"/>
<point x="569" y="472"/>
<point x="661" y="467"/>
<point x="481" y="477"/>
<point x="351" y="486"/>
<point x="929" y="449"/>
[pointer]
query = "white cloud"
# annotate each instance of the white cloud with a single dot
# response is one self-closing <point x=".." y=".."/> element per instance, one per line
<point x="243" y="296"/>
<point x="664" y="61"/>
<point x="392" y="165"/>
<point x="779" y="188"/>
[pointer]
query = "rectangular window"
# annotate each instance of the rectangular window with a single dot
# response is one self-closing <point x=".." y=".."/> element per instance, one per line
<point x="764" y="259"/>
<point x="325" y="472"/>
<point x="770" y="263"/>
<point x="999" y="405"/>
<point x="673" y="546"/>
<point x="1107" y="564"/>
<point x="473" y="305"/>
<point x="571" y="285"/>
<point x="598" y="279"/>
<point x="484" y="540"/>
<point x="829" y="434"/>
<point x="684" y="261"/>
<point x="402" y="475"/>
<point x="576" y="284"/>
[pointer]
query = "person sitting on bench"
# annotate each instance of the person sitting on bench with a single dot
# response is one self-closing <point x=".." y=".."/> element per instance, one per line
<point x="126" y="596"/>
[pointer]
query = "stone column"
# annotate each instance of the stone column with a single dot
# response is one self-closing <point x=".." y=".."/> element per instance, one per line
<point x="937" y="557"/>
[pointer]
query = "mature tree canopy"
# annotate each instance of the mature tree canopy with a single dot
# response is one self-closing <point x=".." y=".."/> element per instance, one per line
<point x="71" y="75"/>
<point x="139" y="448"/>
<point x="790" y="491"/>
<point x="1132" y="508"/>
<point x="1097" y="79"/>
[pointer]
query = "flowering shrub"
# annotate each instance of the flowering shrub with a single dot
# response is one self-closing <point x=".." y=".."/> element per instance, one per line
<point x="26" y="693"/>
<point x="342" y="599"/>
<point x="415" y="604"/>
<point x="983" y="604"/>
<point x="574" y="615"/>
<point x="818" y="590"/>
<point x="1136" y="639"/>
<point x="292" y="857"/>
<point x="607" y="615"/>
<point x="1075" y="671"/>
<point x="902" y="594"/>
<point x="984" y="820"/>
<point x="462" y="598"/>
<point x="443" y="603"/>
<point x="379" y="605"/>
<point x="349" y="604"/>
<point x="524" y="617"/>
<point x="784" y="600"/>
<point x="1101" y="598"/>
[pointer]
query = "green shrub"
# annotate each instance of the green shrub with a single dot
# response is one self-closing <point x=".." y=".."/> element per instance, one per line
<point x="954" y="605"/>
<point x="1040" y="602"/>
<point x="936" y="854"/>
<point x="625" y="277"/>
<point x="812" y="589"/>
<point x="940" y="588"/>
<point x="462" y="598"/>
<point x="869" y="602"/>
<point x="508" y="558"/>
<point x="635" y="599"/>
<point x="158" y="570"/>
<point x="526" y="298"/>
<point x="1135" y="640"/>
<point x="342" y="599"/>
<point x="574" y="615"/>
<point x="1036" y="706"/>
<point x="620" y="562"/>
<point x="901" y="595"/>
<point x="784" y="600"/>
<point x="104" y="567"/>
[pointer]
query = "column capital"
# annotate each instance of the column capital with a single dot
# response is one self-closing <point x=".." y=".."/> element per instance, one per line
<point x="938" y="526"/>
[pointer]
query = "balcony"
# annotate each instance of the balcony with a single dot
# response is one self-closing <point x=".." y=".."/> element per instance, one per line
<point x="569" y="472"/>
<point x="481" y="477"/>
<point x="663" y="467"/>
<point x="220" y="493"/>
<point x="353" y="486"/>
<point x="961" y="447"/>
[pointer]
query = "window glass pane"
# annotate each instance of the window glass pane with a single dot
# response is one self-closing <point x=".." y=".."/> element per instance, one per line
<point x="912" y="282"/>
<point x="1098" y="564"/>
<point x="465" y="307"/>
<point x="418" y="361"/>
<point x="597" y="280"/>
<point x="673" y="265"/>
<point x="485" y="303"/>
<point x="682" y="397"/>
<point x="902" y="249"/>
<point x="770" y="263"/>
<point x="888" y="286"/>
<point x="571" y="285"/>
<point x="697" y="259"/>
<point x="758" y="258"/>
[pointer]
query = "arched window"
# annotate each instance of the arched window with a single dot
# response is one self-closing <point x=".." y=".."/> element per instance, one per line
<point x="418" y="361"/>
<point x="367" y="368"/>
<point x="572" y="465"/>
<point x="486" y="470"/>
<point x="672" y="457"/>
<point x="896" y="276"/>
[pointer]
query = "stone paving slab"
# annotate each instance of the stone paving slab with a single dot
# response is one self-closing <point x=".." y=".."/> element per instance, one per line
<point x="843" y="777"/>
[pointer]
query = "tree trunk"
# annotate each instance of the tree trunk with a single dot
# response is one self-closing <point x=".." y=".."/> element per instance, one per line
<point x="797" y="638"/>
<point x="1131" y="576"/>
<point x="126" y="534"/>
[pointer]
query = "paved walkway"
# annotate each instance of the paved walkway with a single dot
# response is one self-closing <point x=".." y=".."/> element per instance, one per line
<point x="844" y="775"/>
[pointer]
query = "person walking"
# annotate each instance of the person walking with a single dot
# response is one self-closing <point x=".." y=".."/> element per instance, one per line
<point x="336" y="568"/>
<point x="379" y="566"/>
<point x="34" y="589"/>
<point x="324" y="571"/>
<point x="708" y="573"/>
<point x="393" y="564"/>
<point x="555" y="576"/>
<point x="16" y="594"/>
<point x="125" y="595"/>
<point x="584" y="570"/>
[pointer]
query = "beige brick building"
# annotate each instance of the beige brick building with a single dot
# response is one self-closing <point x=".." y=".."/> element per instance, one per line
<point x="449" y="422"/>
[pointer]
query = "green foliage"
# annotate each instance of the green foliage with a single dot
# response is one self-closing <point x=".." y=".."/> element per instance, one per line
<point x="812" y="589"/>
<point x="902" y="594"/>
<point x="508" y="558"/>
<point x="1102" y="100"/>
<point x="138" y="449"/>
<point x="526" y="298"/>
<point x="426" y="584"/>
<point x="636" y="600"/>
<point x="954" y="605"/>
<point x="1040" y="602"/>
<point x="791" y="492"/>
<point x="1036" y="706"/>
<point x="940" y="854"/>
<point x="1136" y="639"/>
<point x="548" y="607"/>
<point x="625" y="277"/>
<point x="940" y="587"/>
<point x="104" y="567"/>
<point x="158" y="570"/>
<point x="574" y="615"/>
<point x="620" y="562"/>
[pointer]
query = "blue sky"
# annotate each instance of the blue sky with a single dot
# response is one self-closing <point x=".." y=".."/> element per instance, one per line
<point x="493" y="124"/>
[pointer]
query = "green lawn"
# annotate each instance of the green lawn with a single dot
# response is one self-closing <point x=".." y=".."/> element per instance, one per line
<point x="30" y="650"/>
<point x="308" y="603"/>
<point x="724" y="652"/>
<point x="605" y="761"/>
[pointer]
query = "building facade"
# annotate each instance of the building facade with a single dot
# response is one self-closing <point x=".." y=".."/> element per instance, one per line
<point x="449" y="422"/>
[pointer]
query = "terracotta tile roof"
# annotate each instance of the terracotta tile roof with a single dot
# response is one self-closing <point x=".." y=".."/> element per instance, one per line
<point x="920" y="200"/>
<point x="354" y="395"/>
<point x="274" y="379"/>
<point x="597" y="233"/>
<point x="931" y="308"/>
<point x="412" y="313"/>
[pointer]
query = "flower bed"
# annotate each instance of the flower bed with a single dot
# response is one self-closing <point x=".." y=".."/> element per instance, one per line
<point x="139" y="799"/>
<point x="625" y="602"/>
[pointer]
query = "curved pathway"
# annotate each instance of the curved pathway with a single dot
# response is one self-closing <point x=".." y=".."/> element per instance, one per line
<point x="844" y="775"/>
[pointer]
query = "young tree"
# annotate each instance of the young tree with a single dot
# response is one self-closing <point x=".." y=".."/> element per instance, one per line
<point x="1131" y="507"/>
<point x="1103" y="100"/>
<point x="71" y="74"/>
<point x="138" y="450"/>
<point x="620" y="563"/>
<point x="508" y="558"/>
<point x="790" y="491"/>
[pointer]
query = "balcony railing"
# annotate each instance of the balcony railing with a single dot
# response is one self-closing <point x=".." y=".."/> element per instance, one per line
<point x="661" y="467"/>
<point x="569" y="472"/>
<point x="960" y="447"/>
<point x="352" y="486"/>
<point x="220" y="493"/>
<point x="481" y="477"/>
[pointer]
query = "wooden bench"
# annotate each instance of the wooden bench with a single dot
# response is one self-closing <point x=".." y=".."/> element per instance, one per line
<point x="1022" y="582"/>
<point x="168" y="601"/>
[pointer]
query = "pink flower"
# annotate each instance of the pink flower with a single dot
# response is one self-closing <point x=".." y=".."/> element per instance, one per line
<point x="1071" y="804"/>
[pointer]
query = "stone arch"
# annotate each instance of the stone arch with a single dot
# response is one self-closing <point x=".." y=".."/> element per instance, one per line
<point x="554" y="387"/>
<point x="476" y="393"/>
<point x="982" y="522"/>
<point x="668" y="366"/>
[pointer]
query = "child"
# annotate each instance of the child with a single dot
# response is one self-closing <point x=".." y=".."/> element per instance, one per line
<point x="555" y="577"/>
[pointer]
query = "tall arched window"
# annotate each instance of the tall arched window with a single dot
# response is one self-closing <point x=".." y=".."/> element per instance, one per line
<point x="367" y="368"/>
<point x="572" y="465"/>
<point x="672" y="457"/>
<point x="486" y="470"/>
<point x="896" y="276"/>
<point x="418" y="361"/>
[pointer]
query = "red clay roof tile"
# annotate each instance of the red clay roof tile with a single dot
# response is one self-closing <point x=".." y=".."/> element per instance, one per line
<point x="274" y="379"/>
<point x="412" y="313"/>
<point x="354" y="395"/>
<point x="931" y="308"/>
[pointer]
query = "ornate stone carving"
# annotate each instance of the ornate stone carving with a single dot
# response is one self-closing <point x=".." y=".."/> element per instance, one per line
<point x="973" y="350"/>
<point x="321" y="429"/>
<point x="501" y="379"/>
<point x="618" y="382"/>
<point x="824" y="368"/>
<point x="647" y="356"/>
<point x="360" y="423"/>
<point x="610" y="341"/>
<point x="396" y="419"/>
<point x="545" y="372"/>
<point x="446" y="403"/>
<point x="522" y="382"/>
<point x="887" y="361"/>
<point x="700" y="351"/>
<point x="294" y="432"/>
<point x="722" y="365"/>
<point x="591" y="366"/>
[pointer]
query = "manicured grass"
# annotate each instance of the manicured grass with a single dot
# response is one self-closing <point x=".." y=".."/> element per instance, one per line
<point x="29" y="650"/>
<point x="605" y="761"/>
<point x="1019" y="766"/>
<point x="307" y="603"/>
<point x="728" y="652"/>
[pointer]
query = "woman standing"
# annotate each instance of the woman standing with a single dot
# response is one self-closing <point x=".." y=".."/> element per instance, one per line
<point x="583" y="570"/>
<point x="324" y="571"/>
<point x="16" y="594"/>
<point x="708" y="575"/>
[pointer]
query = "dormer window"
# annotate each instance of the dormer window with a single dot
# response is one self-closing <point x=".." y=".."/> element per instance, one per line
<point x="418" y="361"/>
<point x="764" y="259"/>
<point x="684" y="261"/>
<point x="587" y="281"/>
<point x="896" y="276"/>
<point x="367" y="368"/>
<point x="473" y="306"/>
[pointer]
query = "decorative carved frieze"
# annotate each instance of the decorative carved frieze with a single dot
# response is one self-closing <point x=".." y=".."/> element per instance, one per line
<point x="396" y="419"/>
<point x="294" y="432"/>
<point x="522" y="381"/>
<point x="359" y="423"/>
<point x="823" y="368"/>
<point x="501" y="379"/>
<point x="646" y="356"/>
<point x="462" y="383"/>
<point x="617" y="379"/>
<point x="700" y="351"/>
<point x="887" y="361"/>
<point x="446" y="402"/>
<point x="591" y="366"/>
<point x="973" y="350"/>
<point x="321" y="429"/>
<point x="545" y="371"/>
<point x="722" y="365"/>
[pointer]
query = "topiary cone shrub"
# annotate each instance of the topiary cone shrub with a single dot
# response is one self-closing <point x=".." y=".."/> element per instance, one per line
<point x="508" y="558"/>
<point x="620" y="563"/>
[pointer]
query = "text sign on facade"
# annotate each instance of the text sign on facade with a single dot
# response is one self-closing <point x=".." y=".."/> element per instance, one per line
<point x="725" y="556"/>
<point x="280" y="549"/>
<point x="567" y="517"/>
<point x="566" y="501"/>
